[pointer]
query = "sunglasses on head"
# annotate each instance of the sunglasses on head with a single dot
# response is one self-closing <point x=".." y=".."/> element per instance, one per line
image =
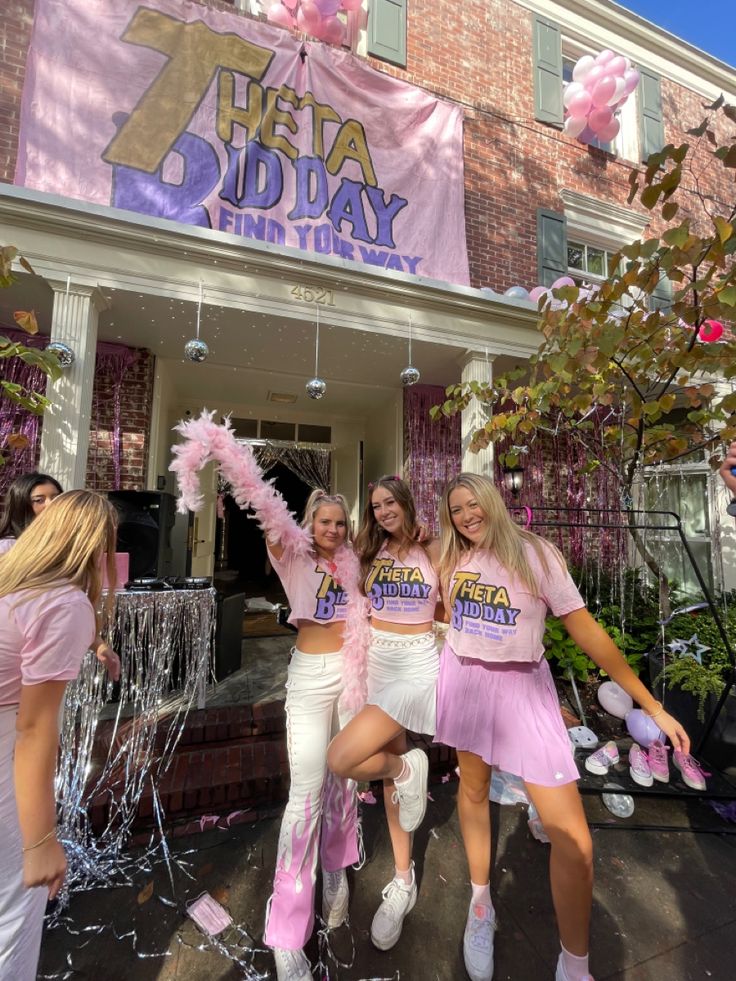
<point x="393" y="476"/>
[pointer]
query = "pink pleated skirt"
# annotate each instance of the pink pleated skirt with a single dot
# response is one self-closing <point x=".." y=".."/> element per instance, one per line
<point x="506" y="713"/>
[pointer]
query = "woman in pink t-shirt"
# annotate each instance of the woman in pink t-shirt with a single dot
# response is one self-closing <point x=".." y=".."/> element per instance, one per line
<point x="400" y="578"/>
<point x="50" y="585"/>
<point x="497" y="704"/>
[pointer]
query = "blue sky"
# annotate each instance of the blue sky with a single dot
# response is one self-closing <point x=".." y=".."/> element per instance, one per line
<point x="708" y="24"/>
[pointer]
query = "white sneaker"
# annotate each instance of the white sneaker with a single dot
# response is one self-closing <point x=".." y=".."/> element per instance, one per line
<point x="335" y="898"/>
<point x="412" y="793"/>
<point x="478" y="942"/>
<point x="398" y="900"/>
<point x="291" y="965"/>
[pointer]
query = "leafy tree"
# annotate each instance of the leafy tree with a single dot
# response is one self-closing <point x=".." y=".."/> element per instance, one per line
<point x="616" y="353"/>
<point x="33" y="401"/>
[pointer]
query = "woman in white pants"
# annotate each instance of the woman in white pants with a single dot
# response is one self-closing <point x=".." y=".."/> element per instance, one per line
<point x="400" y="578"/>
<point x="50" y="585"/>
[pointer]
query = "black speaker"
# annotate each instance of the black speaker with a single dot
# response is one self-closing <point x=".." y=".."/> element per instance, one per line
<point x="144" y="530"/>
<point x="229" y="634"/>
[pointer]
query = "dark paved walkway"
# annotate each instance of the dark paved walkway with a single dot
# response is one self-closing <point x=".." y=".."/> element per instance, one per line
<point x="665" y="904"/>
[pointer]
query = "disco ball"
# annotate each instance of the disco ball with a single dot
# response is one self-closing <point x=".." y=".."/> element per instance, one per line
<point x="316" y="388"/>
<point x="64" y="354"/>
<point x="410" y="376"/>
<point x="196" y="350"/>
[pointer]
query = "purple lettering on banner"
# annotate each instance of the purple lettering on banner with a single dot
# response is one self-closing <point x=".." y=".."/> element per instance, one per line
<point x="257" y="170"/>
<point x="303" y="233"/>
<point x="411" y="262"/>
<point x="276" y="232"/>
<point x="254" y="227"/>
<point x="226" y="220"/>
<point x="310" y="175"/>
<point x="385" y="214"/>
<point x="149" y="194"/>
<point x="323" y="239"/>
<point x="347" y="205"/>
<point x="394" y="262"/>
<point x="372" y="257"/>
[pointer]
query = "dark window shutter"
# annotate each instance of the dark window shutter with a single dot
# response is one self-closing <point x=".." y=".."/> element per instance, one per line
<point x="661" y="298"/>
<point x="547" y="72"/>
<point x="551" y="246"/>
<point x="652" y="123"/>
<point x="387" y="30"/>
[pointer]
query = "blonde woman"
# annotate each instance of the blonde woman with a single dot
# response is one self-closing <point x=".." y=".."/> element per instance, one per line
<point x="50" y="587"/>
<point x="497" y="705"/>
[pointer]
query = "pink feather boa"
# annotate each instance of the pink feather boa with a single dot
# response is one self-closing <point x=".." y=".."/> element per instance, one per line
<point x="205" y="441"/>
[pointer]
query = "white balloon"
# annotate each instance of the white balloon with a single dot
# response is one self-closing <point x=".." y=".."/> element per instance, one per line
<point x="583" y="66"/>
<point x="574" y="125"/>
<point x="614" y="699"/>
<point x="619" y="92"/>
<point x="571" y="90"/>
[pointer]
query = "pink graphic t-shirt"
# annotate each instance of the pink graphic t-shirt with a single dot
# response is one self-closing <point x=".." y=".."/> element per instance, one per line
<point x="494" y="617"/>
<point x="43" y="637"/>
<point x="310" y="587"/>
<point x="405" y="590"/>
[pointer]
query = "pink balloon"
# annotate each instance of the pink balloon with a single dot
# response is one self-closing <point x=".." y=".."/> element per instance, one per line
<point x="604" y="56"/>
<point x="600" y="119"/>
<point x="580" y="104"/>
<point x="610" y="132"/>
<point x="352" y="4"/>
<point x="618" y="95"/>
<point x="279" y="15"/>
<point x="574" y="125"/>
<point x="562" y="281"/>
<point x="617" y="65"/>
<point x="582" y="67"/>
<point x="308" y="18"/>
<point x="711" y="331"/>
<point x="333" y="30"/>
<point x="631" y="80"/>
<point x="536" y="293"/>
<point x="571" y="90"/>
<point x="603" y="91"/>
<point x="290" y="4"/>
<point x="594" y="76"/>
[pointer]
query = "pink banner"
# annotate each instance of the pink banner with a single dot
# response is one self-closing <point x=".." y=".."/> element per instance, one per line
<point x="170" y="109"/>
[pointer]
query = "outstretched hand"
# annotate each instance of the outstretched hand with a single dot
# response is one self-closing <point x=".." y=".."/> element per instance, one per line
<point x="673" y="730"/>
<point x="107" y="656"/>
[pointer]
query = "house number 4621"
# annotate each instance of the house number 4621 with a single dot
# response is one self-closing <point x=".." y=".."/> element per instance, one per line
<point x="313" y="294"/>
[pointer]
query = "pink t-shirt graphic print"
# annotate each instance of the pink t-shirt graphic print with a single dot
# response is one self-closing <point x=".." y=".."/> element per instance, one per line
<point x="313" y="592"/>
<point x="402" y="591"/>
<point x="496" y="617"/>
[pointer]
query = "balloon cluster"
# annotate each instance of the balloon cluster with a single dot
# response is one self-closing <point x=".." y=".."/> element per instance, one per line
<point x="599" y="87"/>
<point x="318" y="18"/>
<point x="521" y="293"/>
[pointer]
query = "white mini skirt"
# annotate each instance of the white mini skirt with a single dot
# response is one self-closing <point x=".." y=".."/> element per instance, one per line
<point x="402" y="678"/>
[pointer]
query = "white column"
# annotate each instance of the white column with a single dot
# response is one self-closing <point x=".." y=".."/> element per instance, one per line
<point x="476" y="367"/>
<point x="65" y="432"/>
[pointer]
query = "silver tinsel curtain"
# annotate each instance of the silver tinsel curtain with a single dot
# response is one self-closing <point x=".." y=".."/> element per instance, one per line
<point x="309" y="461"/>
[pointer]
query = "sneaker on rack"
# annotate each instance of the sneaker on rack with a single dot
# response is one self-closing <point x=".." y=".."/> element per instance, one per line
<point x="411" y="794"/>
<point x="562" y="975"/>
<point x="693" y="775"/>
<point x="291" y="965"/>
<point x="639" y="769"/>
<point x="478" y="942"/>
<point x="335" y="898"/>
<point x="398" y="901"/>
<point x="603" y="759"/>
<point x="658" y="763"/>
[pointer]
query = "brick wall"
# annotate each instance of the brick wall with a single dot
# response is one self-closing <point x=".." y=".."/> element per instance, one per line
<point x="513" y="164"/>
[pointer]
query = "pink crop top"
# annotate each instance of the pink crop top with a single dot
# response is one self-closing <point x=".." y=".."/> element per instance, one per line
<point x="43" y="637"/>
<point x="311" y="590"/>
<point x="496" y="618"/>
<point x="403" y="591"/>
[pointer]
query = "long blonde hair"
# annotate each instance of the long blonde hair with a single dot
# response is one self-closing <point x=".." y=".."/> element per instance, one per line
<point x="504" y="537"/>
<point x="64" y="545"/>
<point x="317" y="499"/>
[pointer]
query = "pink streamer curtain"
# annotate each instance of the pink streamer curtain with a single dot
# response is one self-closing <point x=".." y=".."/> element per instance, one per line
<point x="113" y="361"/>
<point x="432" y="450"/>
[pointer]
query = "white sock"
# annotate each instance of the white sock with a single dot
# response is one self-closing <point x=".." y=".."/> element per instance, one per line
<point x="576" y="968"/>
<point x="405" y="771"/>
<point x="404" y="877"/>
<point x="481" y="894"/>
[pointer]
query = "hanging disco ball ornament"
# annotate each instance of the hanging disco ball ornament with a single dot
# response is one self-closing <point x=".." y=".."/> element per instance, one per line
<point x="409" y="376"/>
<point x="64" y="354"/>
<point x="196" y="350"/>
<point x="316" y="388"/>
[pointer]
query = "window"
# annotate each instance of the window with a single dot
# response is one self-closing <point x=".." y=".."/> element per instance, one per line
<point x="278" y="430"/>
<point x="314" y="434"/>
<point x="589" y="264"/>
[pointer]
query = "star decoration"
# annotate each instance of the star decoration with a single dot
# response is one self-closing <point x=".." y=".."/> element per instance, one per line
<point x="688" y="648"/>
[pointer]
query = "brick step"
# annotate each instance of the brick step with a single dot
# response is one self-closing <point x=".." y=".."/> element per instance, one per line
<point x="247" y="773"/>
